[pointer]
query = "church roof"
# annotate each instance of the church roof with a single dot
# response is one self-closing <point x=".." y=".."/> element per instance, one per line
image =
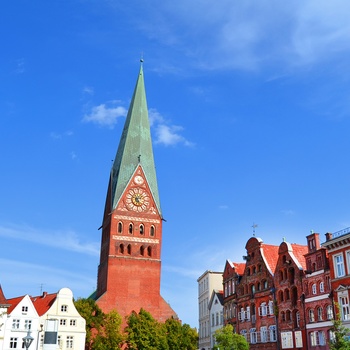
<point x="135" y="147"/>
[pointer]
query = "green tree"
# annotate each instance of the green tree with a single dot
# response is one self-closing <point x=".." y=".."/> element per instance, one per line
<point x="226" y="339"/>
<point x="102" y="330"/>
<point x="341" y="341"/>
<point x="180" y="337"/>
<point x="145" y="333"/>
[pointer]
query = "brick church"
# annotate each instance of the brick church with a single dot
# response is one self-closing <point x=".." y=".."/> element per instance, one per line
<point x="129" y="271"/>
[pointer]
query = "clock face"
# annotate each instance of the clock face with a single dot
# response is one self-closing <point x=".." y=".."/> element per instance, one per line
<point x="137" y="199"/>
<point x="138" y="180"/>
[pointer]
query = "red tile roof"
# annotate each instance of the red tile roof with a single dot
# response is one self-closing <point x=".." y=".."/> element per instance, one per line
<point x="299" y="251"/>
<point x="41" y="303"/>
<point x="239" y="268"/>
<point x="270" y="255"/>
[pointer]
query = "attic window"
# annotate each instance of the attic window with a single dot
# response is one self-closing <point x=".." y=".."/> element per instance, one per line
<point x="216" y="301"/>
<point x="25" y="309"/>
<point x="64" y="308"/>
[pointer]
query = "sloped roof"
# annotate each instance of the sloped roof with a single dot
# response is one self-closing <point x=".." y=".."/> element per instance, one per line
<point x="239" y="268"/>
<point x="14" y="302"/>
<point x="41" y="303"/>
<point x="299" y="251"/>
<point x="270" y="255"/>
<point x="135" y="147"/>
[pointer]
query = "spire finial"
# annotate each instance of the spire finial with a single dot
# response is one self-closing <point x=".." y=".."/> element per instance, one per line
<point x="141" y="58"/>
<point x="254" y="226"/>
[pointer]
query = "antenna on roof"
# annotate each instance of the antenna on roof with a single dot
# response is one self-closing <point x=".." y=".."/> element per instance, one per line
<point x="41" y="288"/>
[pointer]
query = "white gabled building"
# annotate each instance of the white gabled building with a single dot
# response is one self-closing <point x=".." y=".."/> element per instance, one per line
<point x="207" y="282"/>
<point x="52" y="319"/>
<point x="216" y="312"/>
<point x="21" y="319"/>
<point x="3" y="316"/>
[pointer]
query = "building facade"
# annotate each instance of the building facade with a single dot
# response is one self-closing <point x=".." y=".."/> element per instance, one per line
<point x="207" y="283"/>
<point x="51" y="320"/>
<point x="338" y="248"/>
<point x="129" y="271"/>
<point x="216" y="308"/>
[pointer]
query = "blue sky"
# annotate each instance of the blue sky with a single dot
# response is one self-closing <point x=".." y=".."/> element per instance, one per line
<point x="250" y="110"/>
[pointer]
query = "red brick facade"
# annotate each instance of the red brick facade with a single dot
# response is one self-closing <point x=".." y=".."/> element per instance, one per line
<point x="281" y="299"/>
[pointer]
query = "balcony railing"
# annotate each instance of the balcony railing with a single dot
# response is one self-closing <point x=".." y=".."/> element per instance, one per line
<point x="341" y="232"/>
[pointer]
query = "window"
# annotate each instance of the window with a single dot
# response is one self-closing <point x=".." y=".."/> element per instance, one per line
<point x="253" y="335"/>
<point x="244" y="333"/>
<point x="24" y="308"/>
<point x="141" y="229"/>
<point x="142" y="250"/>
<point x="314" y="289"/>
<point x="297" y="319"/>
<point x="73" y="322"/>
<point x="273" y="334"/>
<point x="319" y="314"/>
<point x="339" y="266"/>
<point x="212" y="319"/>
<point x="344" y="308"/>
<point x="247" y="313"/>
<point x="263" y="309"/>
<point x="15" y="324"/>
<point x="283" y="316"/>
<point x="217" y="319"/>
<point x="13" y="343"/>
<point x="120" y="227"/>
<point x="129" y="249"/>
<point x="329" y="312"/>
<point x="149" y="251"/>
<point x="131" y="228"/>
<point x="27" y="324"/>
<point x="69" y="342"/>
<point x="151" y="233"/>
<point x="322" y="287"/>
<point x="263" y="334"/>
<point x="63" y="322"/>
<point x="270" y="310"/>
<point x="121" y="248"/>
<point x="311" y="315"/>
<point x="317" y="338"/>
<point x="221" y="317"/>
<point x="59" y="341"/>
<point x="64" y="308"/>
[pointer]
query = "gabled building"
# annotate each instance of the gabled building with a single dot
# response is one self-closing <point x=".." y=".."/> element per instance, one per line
<point x="207" y="282"/>
<point x="231" y="278"/>
<point x="22" y="318"/>
<point x="4" y="305"/>
<point x="338" y="248"/>
<point x="216" y="306"/>
<point x="129" y="271"/>
<point x="51" y="319"/>
<point x="257" y="321"/>
<point x="289" y="274"/>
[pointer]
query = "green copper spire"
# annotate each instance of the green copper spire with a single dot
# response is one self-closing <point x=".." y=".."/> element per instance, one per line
<point x="135" y="147"/>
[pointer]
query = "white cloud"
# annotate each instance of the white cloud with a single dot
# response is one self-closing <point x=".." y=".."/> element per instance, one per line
<point x="62" y="239"/>
<point x="166" y="133"/>
<point x="59" y="136"/>
<point x="104" y="115"/>
<point x="250" y="34"/>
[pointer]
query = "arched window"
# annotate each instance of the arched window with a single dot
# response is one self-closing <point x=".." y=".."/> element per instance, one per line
<point x="281" y="275"/>
<point x="248" y="271"/>
<point x="120" y="227"/>
<point x="283" y="316"/>
<point x="141" y="229"/>
<point x="152" y="231"/>
<point x="286" y="294"/>
<point x="129" y="249"/>
<point x="321" y="287"/>
<point x="149" y="251"/>
<point x="121" y="248"/>
<point x="266" y="284"/>
<point x="142" y="250"/>
<point x="314" y="289"/>
<point x="280" y="296"/>
<point x="252" y="288"/>
<point x="311" y="315"/>
<point x="131" y="228"/>
<point x="288" y="315"/>
<point x="319" y="314"/>
<point x="329" y="312"/>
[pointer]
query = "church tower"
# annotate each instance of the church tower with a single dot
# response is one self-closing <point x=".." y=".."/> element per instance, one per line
<point x="130" y="259"/>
